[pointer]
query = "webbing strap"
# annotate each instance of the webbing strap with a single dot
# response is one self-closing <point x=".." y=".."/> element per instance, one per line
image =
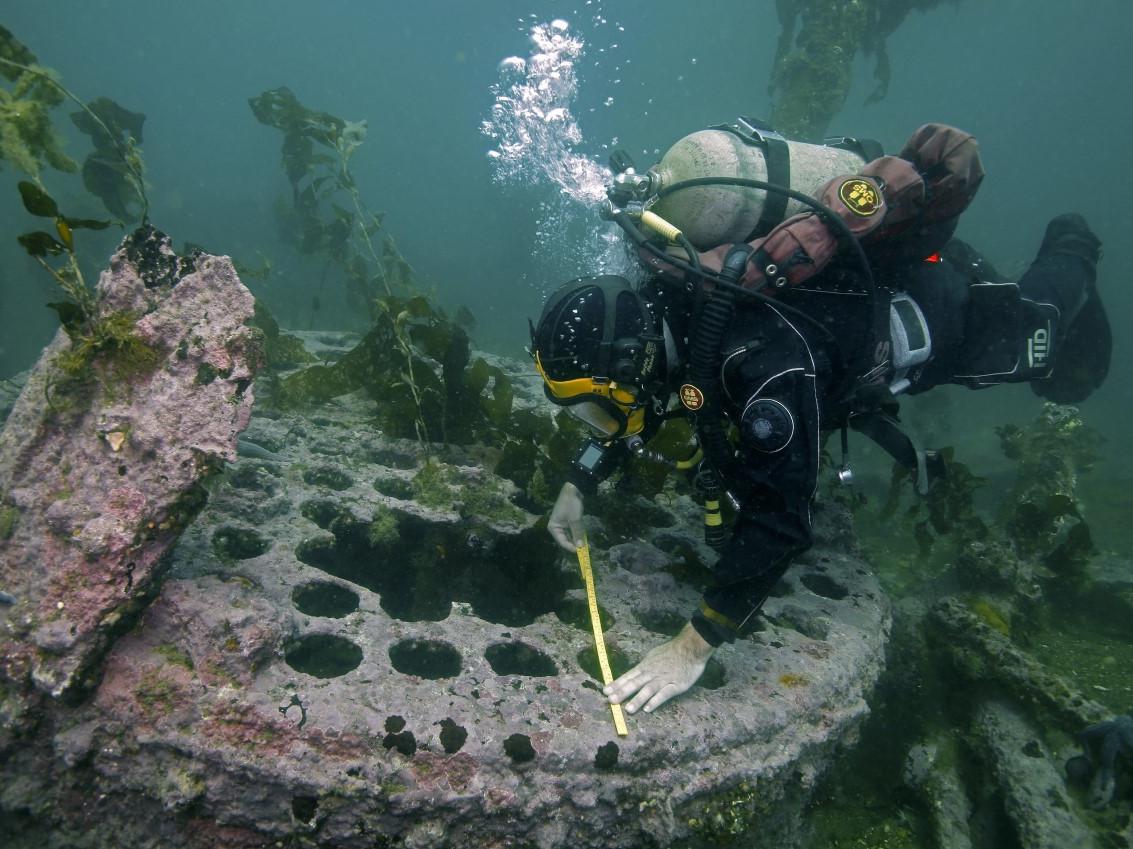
<point x="778" y="157"/>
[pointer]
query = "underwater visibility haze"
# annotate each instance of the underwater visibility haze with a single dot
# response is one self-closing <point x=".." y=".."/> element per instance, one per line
<point x="277" y="468"/>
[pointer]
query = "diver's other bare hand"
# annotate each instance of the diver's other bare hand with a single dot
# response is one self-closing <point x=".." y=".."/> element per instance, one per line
<point x="666" y="671"/>
<point x="565" y="524"/>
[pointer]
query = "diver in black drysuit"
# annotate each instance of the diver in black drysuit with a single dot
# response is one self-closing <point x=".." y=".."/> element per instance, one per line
<point x="784" y="382"/>
<point x="831" y="348"/>
<point x="780" y="383"/>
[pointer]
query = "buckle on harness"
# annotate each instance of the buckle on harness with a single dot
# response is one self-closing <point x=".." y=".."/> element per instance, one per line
<point x="751" y="130"/>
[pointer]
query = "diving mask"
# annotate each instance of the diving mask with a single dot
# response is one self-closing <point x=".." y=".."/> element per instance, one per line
<point x="610" y="409"/>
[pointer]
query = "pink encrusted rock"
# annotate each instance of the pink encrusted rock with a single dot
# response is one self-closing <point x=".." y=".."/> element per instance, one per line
<point x="101" y="477"/>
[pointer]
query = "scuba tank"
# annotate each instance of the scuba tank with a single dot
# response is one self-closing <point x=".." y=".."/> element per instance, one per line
<point x="715" y="214"/>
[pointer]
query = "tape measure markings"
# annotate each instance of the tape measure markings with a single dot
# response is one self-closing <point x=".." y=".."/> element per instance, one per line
<point x="599" y="640"/>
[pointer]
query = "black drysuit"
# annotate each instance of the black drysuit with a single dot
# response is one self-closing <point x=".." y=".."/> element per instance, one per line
<point x="783" y="382"/>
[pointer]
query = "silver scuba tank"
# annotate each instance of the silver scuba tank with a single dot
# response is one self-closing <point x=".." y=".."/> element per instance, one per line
<point x="713" y="215"/>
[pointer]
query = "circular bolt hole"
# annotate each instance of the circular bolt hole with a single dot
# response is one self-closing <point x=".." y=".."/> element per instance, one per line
<point x="322" y="598"/>
<point x="231" y="543"/>
<point x="575" y="612"/>
<point x="518" y="747"/>
<point x="329" y="477"/>
<point x="425" y="658"/>
<point x="824" y="586"/>
<point x="323" y="656"/>
<point x="392" y="459"/>
<point x="317" y="551"/>
<point x="607" y="756"/>
<point x="394" y="488"/>
<point x="452" y="736"/>
<point x="252" y="476"/>
<point x="322" y="512"/>
<point x="620" y="662"/>
<point x="667" y="622"/>
<point x="519" y="659"/>
<point x="403" y="741"/>
<point x="714" y="677"/>
<point x="304" y="808"/>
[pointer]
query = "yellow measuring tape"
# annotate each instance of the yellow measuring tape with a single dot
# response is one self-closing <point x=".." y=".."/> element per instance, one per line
<point x="599" y="640"/>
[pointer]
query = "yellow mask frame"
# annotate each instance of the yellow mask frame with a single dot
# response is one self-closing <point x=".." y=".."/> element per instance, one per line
<point x="618" y="400"/>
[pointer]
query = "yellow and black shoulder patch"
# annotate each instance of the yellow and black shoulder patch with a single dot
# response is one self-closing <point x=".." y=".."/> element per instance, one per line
<point x="691" y="397"/>
<point x="859" y="196"/>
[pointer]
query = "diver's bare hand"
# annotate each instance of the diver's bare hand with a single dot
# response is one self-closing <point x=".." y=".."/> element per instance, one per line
<point x="665" y="671"/>
<point x="565" y="523"/>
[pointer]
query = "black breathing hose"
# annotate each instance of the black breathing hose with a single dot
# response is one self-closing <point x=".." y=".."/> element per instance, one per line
<point x="704" y="364"/>
<point x="704" y="367"/>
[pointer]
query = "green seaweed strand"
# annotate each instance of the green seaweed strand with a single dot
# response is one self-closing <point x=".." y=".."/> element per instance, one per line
<point x="129" y="154"/>
<point x="344" y="152"/>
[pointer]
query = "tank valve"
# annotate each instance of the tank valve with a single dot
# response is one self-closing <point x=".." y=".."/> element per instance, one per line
<point x="621" y="162"/>
<point x="629" y="186"/>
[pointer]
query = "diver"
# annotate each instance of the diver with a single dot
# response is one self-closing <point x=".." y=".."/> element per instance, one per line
<point x="815" y="324"/>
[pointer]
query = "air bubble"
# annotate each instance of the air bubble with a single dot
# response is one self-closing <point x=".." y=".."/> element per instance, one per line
<point x="535" y="139"/>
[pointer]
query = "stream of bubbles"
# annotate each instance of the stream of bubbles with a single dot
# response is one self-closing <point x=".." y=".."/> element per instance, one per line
<point x="536" y="142"/>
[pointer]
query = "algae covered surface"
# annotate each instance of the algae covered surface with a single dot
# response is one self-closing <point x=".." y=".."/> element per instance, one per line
<point x="1082" y="640"/>
<point x="348" y="160"/>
